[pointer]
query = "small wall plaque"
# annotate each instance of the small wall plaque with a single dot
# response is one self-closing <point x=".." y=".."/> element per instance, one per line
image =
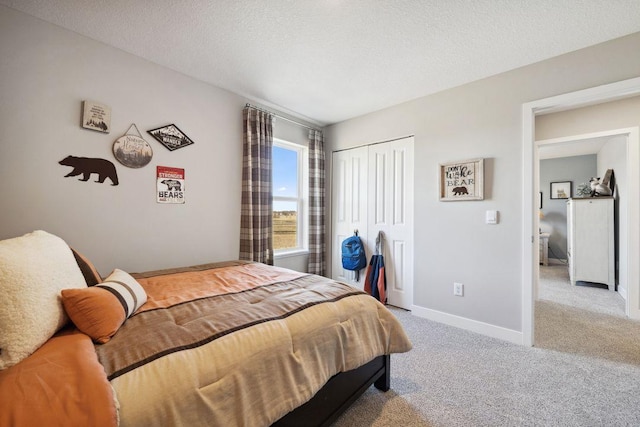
<point x="132" y="150"/>
<point x="170" y="185"/>
<point x="96" y="116"/>
<point x="171" y="137"/>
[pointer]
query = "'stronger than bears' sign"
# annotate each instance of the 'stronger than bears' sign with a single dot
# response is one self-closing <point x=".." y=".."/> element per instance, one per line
<point x="170" y="185"/>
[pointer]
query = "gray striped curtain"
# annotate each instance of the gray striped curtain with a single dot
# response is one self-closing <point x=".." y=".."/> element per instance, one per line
<point x="256" y="241"/>
<point x="316" y="204"/>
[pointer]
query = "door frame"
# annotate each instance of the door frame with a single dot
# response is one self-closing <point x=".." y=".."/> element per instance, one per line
<point x="530" y="183"/>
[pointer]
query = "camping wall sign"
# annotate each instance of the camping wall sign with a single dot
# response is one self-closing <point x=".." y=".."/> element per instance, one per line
<point x="171" y="137"/>
<point x="170" y="185"/>
<point x="462" y="180"/>
<point x="96" y="116"/>
<point x="132" y="150"/>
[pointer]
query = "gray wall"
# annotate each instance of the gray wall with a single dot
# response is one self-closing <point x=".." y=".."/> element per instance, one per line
<point x="577" y="169"/>
<point x="46" y="72"/>
<point x="619" y="114"/>
<point x="480" y="119"/>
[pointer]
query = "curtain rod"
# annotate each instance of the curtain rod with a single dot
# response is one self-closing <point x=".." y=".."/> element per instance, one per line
<point x="282" y="117"/>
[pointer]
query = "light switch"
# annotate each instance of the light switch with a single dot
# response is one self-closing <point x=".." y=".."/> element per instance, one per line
<point x="492" y="217"/>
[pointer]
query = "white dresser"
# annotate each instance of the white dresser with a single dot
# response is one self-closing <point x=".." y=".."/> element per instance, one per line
<point x="590" y="240"/>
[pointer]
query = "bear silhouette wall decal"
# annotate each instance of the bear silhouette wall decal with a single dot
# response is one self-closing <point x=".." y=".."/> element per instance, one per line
<point x="87" y="165"/>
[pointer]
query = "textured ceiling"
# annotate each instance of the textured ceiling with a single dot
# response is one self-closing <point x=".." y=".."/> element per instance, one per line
<point x="330" y="60"/>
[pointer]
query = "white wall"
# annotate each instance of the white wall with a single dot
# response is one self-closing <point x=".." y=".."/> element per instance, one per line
<point x="46" y="72"/>
<point x="481" y="119"/>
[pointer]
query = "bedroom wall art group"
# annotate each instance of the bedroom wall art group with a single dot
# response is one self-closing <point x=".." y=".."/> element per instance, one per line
<point x="132" y="151"/>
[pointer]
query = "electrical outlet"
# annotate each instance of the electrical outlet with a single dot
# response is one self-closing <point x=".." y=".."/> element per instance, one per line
<point x="458" y="289"/>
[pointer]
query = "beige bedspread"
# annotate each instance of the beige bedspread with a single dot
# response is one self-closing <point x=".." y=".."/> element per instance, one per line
<point x="252" y="344"/>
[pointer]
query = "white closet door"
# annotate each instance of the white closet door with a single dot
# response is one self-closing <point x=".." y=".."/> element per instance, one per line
<point x="349" y="206"/>
<point x="390" y="210"/>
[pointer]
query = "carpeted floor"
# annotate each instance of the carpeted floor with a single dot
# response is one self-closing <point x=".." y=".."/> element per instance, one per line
<point x="554" y="286"/>
<point x="583" y="319"/>
<point x="584" y="371"/>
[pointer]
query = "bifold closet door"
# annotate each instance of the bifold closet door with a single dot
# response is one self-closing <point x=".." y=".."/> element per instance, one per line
<point x="390" y="210"/>
<point x="349" y="206"/>
<point x="372" y="191"/>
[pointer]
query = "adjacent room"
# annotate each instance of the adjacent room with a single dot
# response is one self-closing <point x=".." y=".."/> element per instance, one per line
<point x="320" y="213"/>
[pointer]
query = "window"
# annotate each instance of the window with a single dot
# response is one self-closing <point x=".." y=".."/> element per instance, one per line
<point x="289" y="196"/>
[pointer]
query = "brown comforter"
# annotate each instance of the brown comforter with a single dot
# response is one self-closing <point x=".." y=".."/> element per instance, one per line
<point x="240" y="344"/>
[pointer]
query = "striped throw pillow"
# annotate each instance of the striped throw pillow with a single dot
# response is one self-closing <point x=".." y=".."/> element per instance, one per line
<point x="127" y="289"/>
<point x="99" y="311"/>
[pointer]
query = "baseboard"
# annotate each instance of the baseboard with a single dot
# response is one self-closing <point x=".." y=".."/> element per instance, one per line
<point x="622" y="290"/>
<point x="487" y="329"/>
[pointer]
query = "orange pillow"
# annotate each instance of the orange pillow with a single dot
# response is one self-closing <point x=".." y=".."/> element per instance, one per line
<point x="94" y="311"/>
<point x="100" y="310"/>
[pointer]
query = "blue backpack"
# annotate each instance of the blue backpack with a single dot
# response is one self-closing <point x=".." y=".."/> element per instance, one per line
<point x="353" y="255"/>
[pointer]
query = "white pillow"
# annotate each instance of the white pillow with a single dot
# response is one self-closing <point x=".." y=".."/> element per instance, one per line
<point x="34" y="269"/>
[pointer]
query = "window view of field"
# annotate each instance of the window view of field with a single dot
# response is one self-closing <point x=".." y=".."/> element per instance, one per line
<point x="285" y="224"/>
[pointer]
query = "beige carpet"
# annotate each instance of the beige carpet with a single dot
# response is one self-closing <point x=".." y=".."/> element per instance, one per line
<point x="585" y="371"/>
<point x="554" y="286"/>
<point x="583" y="319"/>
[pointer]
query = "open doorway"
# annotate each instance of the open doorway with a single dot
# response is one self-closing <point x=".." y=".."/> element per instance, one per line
<point x="531" y="190"/>
<point x="570" y="162"/>
<point x="579" y="315"/>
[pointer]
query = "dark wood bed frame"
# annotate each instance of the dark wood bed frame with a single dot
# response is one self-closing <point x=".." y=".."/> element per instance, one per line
<point x="338" y="394"/>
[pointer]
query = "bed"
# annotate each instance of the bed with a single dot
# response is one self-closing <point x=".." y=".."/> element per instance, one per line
<point x="232" y="343"/>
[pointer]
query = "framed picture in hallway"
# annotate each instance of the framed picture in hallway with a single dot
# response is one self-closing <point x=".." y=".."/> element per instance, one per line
<point x="462" y="180"/>
<point x="560" y="190"/>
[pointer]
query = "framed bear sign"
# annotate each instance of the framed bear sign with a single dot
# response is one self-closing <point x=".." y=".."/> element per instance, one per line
<point x="462" y="180"/>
